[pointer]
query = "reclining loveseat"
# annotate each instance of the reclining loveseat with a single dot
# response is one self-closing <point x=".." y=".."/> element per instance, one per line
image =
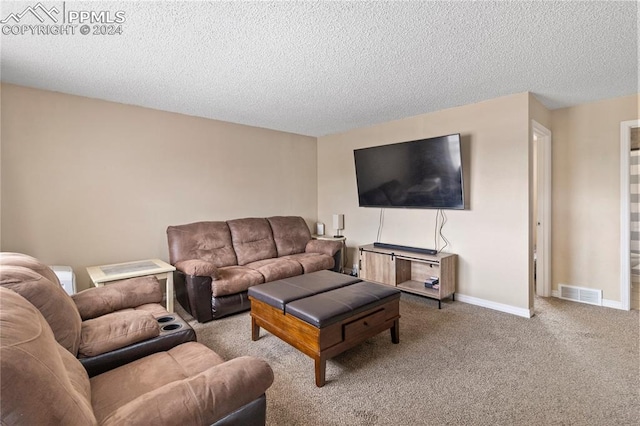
<point x="103" y="327"/>
<point x="216" y="262"/>
<point x="44" y="384"/>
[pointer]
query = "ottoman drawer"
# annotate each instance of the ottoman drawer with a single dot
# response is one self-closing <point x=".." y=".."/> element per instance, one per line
<point x="363" y="326"/>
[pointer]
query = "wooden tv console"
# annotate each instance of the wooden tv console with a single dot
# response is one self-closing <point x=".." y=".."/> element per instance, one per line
<point x="407" y="270"/>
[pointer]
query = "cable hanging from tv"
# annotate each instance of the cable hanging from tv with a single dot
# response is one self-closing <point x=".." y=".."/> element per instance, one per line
<point x="380" y="225"/>
<point x="441" y="219"/>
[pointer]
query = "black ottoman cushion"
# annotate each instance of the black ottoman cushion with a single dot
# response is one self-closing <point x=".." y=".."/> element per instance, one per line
<point x="329" y="307"/>
<point x="279" y="293"/>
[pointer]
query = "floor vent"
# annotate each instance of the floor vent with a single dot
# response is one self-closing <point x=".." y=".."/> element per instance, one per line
<point x="581" y="294"/>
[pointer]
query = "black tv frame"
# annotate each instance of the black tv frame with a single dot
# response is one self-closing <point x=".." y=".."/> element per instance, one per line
<point x="394" y="193"/>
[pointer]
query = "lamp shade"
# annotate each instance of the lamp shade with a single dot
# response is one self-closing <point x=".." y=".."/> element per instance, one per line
<point x="338" y="221"/>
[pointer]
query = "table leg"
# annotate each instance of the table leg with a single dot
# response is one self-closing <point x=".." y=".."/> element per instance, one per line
<point x="395" y="331"/>
<point x="321" y="367"/>
<point x="255" y="330"/>
<point x="170" y="291"/>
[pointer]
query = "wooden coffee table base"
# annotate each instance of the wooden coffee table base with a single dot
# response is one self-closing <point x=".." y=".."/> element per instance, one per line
<point x="325" y="343"/>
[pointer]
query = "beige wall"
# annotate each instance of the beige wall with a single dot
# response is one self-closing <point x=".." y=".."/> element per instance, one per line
<point x="491" y="236"/>
<point x="88" y="182"/>
<point x="586" y="194"/>
<point x="539" y="112"/>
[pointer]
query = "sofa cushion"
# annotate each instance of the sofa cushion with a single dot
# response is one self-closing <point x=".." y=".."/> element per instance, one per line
<point x="312" y="262"/>
<point x="118" y="295"/>
<point x="210" y="241"/>
<point x="50" y="299"/>
<point x="290" y="233"/>
<point x="252" y="240"/>
<point x="116" y="330"/>
<point x="276" y="269"/>
<point x="115" y="388"/>
<point x="42" y="383"/>
<point x="235" y="279"/>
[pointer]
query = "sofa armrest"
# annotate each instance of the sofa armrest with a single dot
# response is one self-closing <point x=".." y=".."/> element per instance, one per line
<point x="323" y="247"/>
<point x="192" y="281"/>
<point x="197" y="267"/>
<point x="201" y="399"/>
<point x="194" y="294"/>
<point x="118" y="295"/>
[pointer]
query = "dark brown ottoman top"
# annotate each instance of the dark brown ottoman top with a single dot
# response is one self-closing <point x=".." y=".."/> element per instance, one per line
<point x="281" y="292"/>
<point x="324" y="297"/>
<point x="326" y="308"/>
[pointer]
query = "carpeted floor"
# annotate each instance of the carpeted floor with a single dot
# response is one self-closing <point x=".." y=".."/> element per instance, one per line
<point x="571" y="364"/>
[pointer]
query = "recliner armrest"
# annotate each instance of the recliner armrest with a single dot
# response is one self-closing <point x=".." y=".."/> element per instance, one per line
<point x="194" y="294"/>
<point x="192" y="282"/>
<point x="198" y="267"/>
<point x="201" y="399"/>
<point x="116" y="330"/>
<point x="165" y="341"/>
<point x="323" y="247"/>
<point x="118" y="295"/>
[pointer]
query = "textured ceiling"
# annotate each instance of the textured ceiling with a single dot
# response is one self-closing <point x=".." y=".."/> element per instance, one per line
<point x="317" y="68"/>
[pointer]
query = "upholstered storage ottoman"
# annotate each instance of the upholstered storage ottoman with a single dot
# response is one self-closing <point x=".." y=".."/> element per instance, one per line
<point x="324" y="313"/>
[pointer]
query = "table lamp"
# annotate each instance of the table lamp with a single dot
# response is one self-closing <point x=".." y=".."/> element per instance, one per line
<point x="338" y="224"/>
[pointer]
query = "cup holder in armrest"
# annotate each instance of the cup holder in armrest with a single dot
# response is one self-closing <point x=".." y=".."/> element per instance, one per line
<point x="171" y="327"/>
<point x="172" y="323"/>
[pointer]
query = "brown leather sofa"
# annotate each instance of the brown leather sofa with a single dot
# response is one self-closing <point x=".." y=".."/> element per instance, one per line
<point x="216" y="262"/>
<point x="103" y="327"/>
<point x="43" y="383"/>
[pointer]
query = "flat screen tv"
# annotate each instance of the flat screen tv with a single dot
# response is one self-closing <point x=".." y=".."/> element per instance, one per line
<point x="424" y="174"/>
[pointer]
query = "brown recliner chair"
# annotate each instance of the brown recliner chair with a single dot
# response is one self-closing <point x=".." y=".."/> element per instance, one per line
<point x="42" y="383"/>
<point x="103" y="327"/>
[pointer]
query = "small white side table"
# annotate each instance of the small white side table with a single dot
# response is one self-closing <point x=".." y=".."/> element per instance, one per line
<point x="101" y="275"/>
<point x="333" y="238"/>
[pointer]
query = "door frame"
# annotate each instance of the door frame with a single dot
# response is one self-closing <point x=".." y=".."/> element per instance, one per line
<point x="542" y="147"/>
<point x="625" y="213"/>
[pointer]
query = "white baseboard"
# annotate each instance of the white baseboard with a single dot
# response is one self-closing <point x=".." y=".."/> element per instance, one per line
<point x="521" y="312"/>
<point x="614" y="304"/>
<point x="526" y="313"/>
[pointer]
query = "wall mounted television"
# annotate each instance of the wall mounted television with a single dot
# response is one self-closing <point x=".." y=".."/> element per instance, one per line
<point x="421" y="174"/>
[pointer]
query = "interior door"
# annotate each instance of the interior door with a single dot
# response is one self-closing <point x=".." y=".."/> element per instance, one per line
<point x="626" y="129"/>
<point x="542" y="147"/>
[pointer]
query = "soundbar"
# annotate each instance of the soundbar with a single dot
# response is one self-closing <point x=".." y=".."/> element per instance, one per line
<point x="405" y="248"/>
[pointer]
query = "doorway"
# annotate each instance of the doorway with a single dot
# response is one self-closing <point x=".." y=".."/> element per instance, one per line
<point x="542" y="208"/>
<point x="629" y="215"/>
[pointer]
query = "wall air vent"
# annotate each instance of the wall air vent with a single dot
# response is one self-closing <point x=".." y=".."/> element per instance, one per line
<point x="581" y="294"/>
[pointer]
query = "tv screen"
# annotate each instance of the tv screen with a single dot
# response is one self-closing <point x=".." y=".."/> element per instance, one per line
<point x="425" y="173"/>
